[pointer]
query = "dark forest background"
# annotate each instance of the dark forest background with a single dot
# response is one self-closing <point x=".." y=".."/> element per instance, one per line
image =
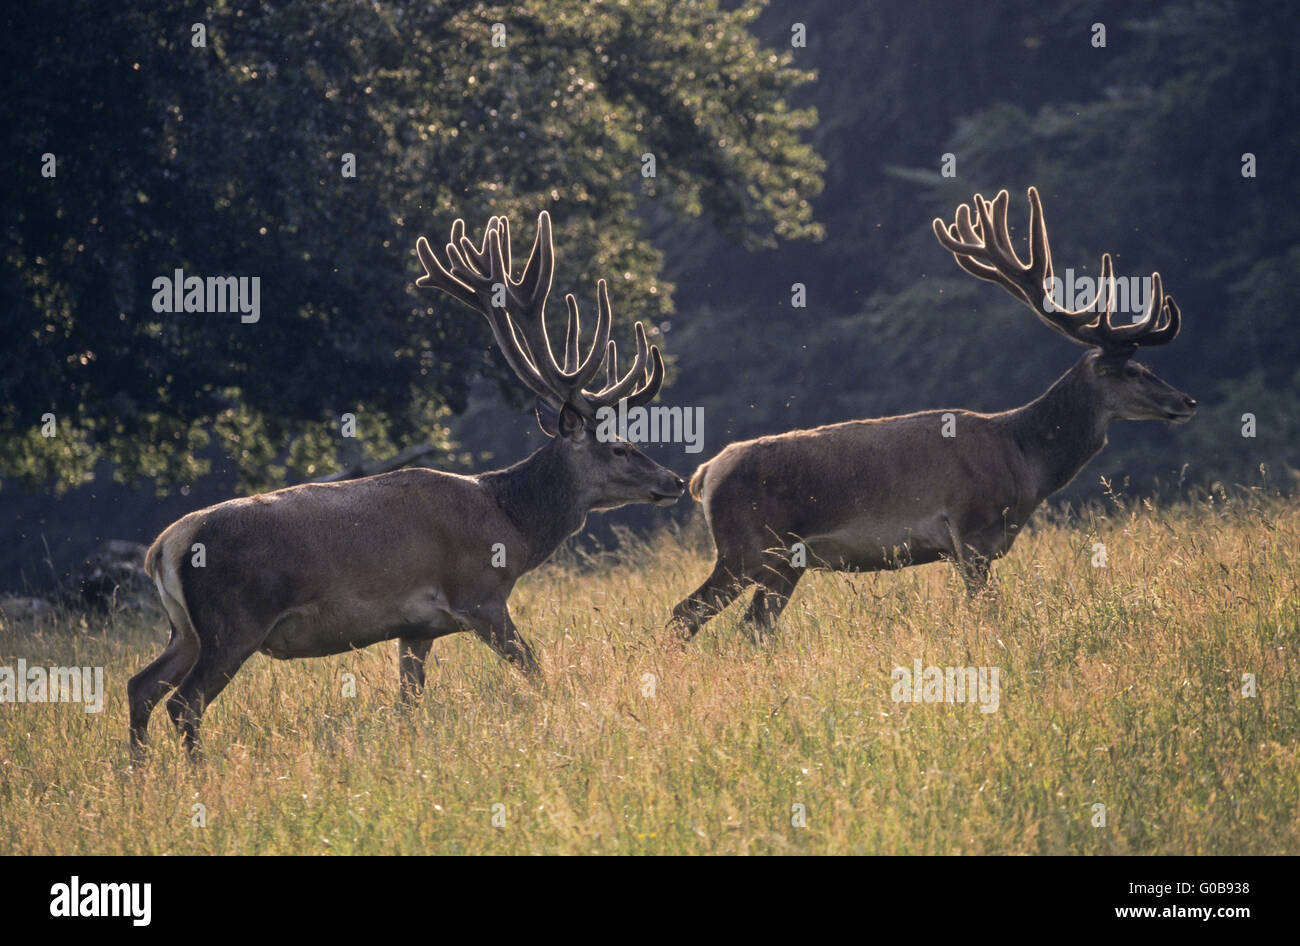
<point x="776" y="163"/>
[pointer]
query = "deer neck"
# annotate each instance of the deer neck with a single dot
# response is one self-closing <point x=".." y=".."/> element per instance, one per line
<point x="1060" y="431"/>
<point x="539" y="496"/>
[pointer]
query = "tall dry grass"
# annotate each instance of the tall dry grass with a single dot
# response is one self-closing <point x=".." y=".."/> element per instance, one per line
<point x="1120" y="686"/>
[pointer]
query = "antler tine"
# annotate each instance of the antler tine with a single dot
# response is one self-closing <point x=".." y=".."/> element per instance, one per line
<point x="582" y="373"/>
<point x="477" y="256"/>
<point x="540" y="268"/>
<point x="1155" y="308"/>
<point x="611" y="365"/>
<point x="1104" y="303"/>
<point x="650" y="390"/>
<point x="1173" y="320"/>
<point x="1158" y="326"/>
<point x="577" y="373"/>
<point x="996" y="215"/>
<point x="436" y="276"/>
<point x="503" y="233"/>
<point x="571" y="334"/>
<point x="634" y="386"/>
<point x="613" y="393"/>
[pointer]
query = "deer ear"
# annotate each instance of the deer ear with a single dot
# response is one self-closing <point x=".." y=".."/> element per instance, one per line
<point x="571" y="423"/>
<point x="548" y="418"/>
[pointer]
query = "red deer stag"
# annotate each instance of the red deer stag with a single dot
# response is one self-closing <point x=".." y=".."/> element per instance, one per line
<point x="894" y="491"/>
<point x="415" y="554"/>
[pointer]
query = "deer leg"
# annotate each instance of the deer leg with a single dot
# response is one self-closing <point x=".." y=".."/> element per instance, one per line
<point x="972" y="564"/>
<point x="147" y="688"/>
<point x="205" y="681"/>
<point x="975" y="572"/>
<point x="411" y="654"/>
<point x="704" y="603"/>
<point x="775" y="585"/>
<point x="494" y="627"/>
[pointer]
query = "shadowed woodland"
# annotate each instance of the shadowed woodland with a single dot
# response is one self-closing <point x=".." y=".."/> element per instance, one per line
<point x="776" y="164"/>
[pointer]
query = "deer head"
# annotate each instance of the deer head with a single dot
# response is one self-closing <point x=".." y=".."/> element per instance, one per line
<point x="604" y="473"/>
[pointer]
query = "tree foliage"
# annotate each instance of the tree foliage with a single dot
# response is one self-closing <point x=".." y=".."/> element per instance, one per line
<point x="226" y="158"/>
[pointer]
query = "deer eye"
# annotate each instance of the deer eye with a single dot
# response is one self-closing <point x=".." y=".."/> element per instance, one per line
<point x="619" y="451"/>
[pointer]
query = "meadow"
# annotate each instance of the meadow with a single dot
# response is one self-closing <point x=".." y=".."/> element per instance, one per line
<point x="1122" y="684"/>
